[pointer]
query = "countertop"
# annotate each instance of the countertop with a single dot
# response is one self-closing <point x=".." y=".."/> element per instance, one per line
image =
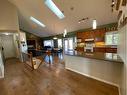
<point x="112" y="57"/>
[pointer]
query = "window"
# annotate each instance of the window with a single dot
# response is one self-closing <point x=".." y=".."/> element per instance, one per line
<point x="111" y="38"/>
<point x="48" y="43"/>
<point x="59" y="43"/>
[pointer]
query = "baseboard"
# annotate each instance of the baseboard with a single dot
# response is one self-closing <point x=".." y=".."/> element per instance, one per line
<point x="107" y="82"/>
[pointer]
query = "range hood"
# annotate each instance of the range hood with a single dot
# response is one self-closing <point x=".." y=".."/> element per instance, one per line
<point x="89" y="39"/>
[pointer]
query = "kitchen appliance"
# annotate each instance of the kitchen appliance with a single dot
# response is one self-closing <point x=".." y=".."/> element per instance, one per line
<point x="89" y="45"/>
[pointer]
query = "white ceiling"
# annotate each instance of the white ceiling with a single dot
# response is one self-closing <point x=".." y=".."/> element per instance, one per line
<point x="94" y="9"/>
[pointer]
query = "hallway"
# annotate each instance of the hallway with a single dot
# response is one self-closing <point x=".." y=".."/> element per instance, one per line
<point x="49" y="80"/>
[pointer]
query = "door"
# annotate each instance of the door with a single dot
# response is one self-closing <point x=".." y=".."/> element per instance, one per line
<point x="7" y="42"/>
<point x="68" y="44"/>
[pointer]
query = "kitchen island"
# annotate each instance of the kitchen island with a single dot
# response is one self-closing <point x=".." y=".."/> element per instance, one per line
<point x="105" y="67"/>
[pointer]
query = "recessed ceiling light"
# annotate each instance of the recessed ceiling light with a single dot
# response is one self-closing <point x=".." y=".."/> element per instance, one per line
<point x="51" y="5"/>
<point x="94" y="24"/>
<point x="37" y="21"/>
<point x="7" y="34"/>
<point x="55" y="38"/>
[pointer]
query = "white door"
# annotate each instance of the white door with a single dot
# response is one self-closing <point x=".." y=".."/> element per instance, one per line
<point x="68" y="44"/>
<point x="7" y="42"/>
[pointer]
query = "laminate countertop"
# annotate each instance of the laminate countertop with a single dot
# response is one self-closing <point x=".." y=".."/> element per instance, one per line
<point x="112" y="57"/>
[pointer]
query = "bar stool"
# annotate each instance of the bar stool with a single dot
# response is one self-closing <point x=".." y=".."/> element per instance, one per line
<point x="48" y="53"/>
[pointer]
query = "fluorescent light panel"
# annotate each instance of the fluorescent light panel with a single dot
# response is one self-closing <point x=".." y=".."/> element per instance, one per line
<point x="94" y="24"/>
<point x="37" y="21"/>
<point x="51" y="5"/>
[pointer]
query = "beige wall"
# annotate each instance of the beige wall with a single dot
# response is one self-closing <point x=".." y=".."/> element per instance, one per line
<point x="8" y="16"/>
<point x="23" y="46"/>
<point x="122" y="51"/>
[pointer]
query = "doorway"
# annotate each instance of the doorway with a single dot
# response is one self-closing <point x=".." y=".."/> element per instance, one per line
<point x="7" y="43"/>
<point x="68" y="44"/>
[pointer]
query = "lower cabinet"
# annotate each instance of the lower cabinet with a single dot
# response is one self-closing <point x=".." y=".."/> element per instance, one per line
<point x="105" y="49"/>
<point x="100" y="49"/>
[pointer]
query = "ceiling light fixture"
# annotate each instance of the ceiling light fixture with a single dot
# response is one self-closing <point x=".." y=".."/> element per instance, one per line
<point x="113" y="5"/>
<point x="37" y="21"/>
<point x="7" y="34"/>
<point x="65" y="32"/>
<point x="55" y="38"/>
<point x="83" y="20"/>
<point x="94" y="24"/>
<point x="51" y="5"/>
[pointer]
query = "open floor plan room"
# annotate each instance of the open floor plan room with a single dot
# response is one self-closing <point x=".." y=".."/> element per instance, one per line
<point x="63" y="47"/>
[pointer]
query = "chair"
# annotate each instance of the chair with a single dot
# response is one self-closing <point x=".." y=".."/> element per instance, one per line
<point x="33" y="62"/>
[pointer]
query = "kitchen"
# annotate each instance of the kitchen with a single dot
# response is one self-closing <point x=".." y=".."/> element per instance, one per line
<point x="99" y="40"/>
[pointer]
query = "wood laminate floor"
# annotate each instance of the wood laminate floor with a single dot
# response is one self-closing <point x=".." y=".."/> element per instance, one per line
<point x="49" y="80"/>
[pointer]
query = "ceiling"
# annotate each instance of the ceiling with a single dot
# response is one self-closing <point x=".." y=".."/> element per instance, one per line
<point x="99" y="10"/>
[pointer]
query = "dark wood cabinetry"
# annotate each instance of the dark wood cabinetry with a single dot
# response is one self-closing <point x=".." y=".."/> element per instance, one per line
<point x="98" y="49"/>
<point x="98" y="35"/>
<point x="80" y="49"/>
<point x="31" y="43"/>
<point x="105" y="49"/>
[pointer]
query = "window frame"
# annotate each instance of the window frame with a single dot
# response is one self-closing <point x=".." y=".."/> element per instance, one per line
<point x="113" y="35"/>
<point x="52" y="43"/>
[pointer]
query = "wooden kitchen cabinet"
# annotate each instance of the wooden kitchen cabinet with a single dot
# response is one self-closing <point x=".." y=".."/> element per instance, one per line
<point x="111" y="50"/>
<point x="99" y="35"/>
<point x="105" y="49"/>
<point x="80" y="49"/>
<point x="99" y="49"/>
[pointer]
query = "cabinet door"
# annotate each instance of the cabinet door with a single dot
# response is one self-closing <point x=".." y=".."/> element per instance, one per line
<point x="96" y="49"/>
<point x="99" y="35"/>
<point x="111" y="50"/>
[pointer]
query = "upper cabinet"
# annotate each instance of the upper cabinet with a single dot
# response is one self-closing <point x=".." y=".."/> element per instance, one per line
<point x="98" y="35"/>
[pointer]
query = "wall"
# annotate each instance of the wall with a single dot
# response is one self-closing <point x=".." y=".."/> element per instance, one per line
<point x="34" y="37"/>
<point x="122" y="47"/>
<point x="122" y="51"/>
<point x="8" y="16"/>
<point x="23" y="43"/>
<point x="16" y="44"/>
